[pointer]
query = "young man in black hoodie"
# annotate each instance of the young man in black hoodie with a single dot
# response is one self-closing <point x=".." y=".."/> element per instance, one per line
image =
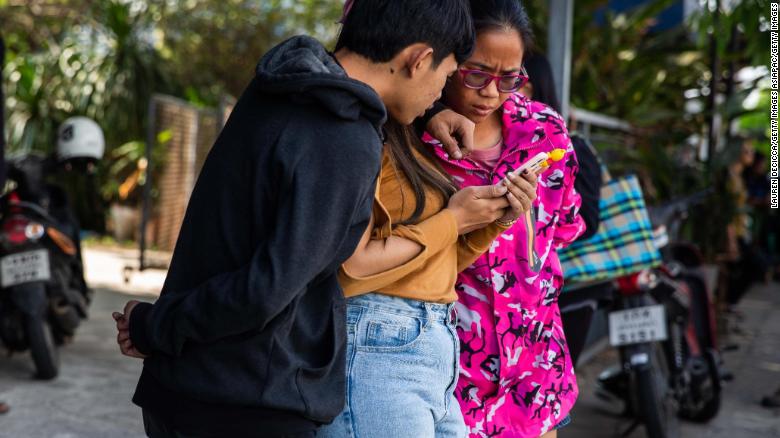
<point x="247" y="338"/>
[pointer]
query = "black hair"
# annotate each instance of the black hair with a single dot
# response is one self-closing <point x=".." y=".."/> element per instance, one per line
<point x="540" y="76"/>
<point x="502" y="14"/>
<point x="380" y="29"/>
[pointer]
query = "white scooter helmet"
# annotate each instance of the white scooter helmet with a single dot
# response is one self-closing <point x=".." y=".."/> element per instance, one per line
<point x="80" y="138"/>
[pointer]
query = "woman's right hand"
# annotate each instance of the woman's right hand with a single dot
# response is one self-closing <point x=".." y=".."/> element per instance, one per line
<point x="476" y="207"/>
<point x="521" y="196"/>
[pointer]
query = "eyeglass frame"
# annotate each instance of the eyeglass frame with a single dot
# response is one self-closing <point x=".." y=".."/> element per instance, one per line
<point x="493" y="78"/>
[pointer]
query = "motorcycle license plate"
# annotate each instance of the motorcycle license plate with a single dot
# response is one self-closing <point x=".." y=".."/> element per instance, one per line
<point x="24" y="267"/>
<point x="634" y="326"/>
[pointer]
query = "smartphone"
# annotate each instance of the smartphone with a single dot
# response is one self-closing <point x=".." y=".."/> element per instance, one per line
<point x="540" y="162"/>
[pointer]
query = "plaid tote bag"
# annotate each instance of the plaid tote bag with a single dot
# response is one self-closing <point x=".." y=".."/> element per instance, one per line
<point x="624" y="242"/>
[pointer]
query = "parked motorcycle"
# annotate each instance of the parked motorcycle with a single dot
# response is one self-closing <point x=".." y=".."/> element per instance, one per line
<point x="662" y="323"/>
<point x="641" y="381"/>
<point x="43" y="295"/>
<point x="693" y="352"/>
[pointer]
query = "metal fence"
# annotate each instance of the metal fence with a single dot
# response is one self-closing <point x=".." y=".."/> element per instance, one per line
<point x="191" y="131"/>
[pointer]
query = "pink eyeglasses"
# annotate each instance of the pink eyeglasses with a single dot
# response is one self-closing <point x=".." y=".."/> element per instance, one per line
<point x="478" y="79"/>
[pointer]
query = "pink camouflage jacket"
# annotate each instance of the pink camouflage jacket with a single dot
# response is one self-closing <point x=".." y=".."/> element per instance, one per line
<point x="516" y="377"/>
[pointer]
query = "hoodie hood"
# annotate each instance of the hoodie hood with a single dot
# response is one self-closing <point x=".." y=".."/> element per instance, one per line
<point x="301" y="68"/>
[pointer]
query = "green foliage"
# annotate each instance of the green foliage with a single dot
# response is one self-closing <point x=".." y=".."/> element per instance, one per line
<point x="105" y="59"/>
<point x="214" y="46"/>
<point x="100" y="66"/>
<point x="621" y="68"/>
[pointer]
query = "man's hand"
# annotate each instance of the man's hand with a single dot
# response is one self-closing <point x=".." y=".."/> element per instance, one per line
<point x="454" y="131"/>
<point x="123" y="329"/>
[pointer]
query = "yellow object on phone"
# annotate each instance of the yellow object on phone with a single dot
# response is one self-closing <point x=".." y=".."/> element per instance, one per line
<point x="541" y="161"/>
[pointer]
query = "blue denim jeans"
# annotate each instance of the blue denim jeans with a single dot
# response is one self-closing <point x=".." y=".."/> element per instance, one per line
<point x="563" y="423"/>
<point x="402" y="366"/>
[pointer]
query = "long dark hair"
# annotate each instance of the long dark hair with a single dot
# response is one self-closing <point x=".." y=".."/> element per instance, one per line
<point x="502" y="14"/>
<point x="541" y="77"/>
<point x="401" y="143"/>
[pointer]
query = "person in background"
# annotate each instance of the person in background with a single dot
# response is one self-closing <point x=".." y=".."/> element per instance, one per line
<point x="756" y="179"/>
<point x="577" y="307"/>
<point x="747" y="265"/>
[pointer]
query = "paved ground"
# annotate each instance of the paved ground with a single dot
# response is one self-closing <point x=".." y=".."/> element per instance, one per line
<point x="117" y="270"/>
<point x="91" y="398"/>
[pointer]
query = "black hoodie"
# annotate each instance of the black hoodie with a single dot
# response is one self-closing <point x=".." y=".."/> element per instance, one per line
<point x="248" y="336"/>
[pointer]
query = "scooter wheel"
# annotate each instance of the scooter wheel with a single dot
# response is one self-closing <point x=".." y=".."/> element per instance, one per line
<point x="43" y="349"/>
<point x="657" y="406"/>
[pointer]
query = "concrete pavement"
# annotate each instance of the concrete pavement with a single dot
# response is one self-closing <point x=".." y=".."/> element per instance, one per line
<point x="90" y="398"/>
<point x="108" y="268"/>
